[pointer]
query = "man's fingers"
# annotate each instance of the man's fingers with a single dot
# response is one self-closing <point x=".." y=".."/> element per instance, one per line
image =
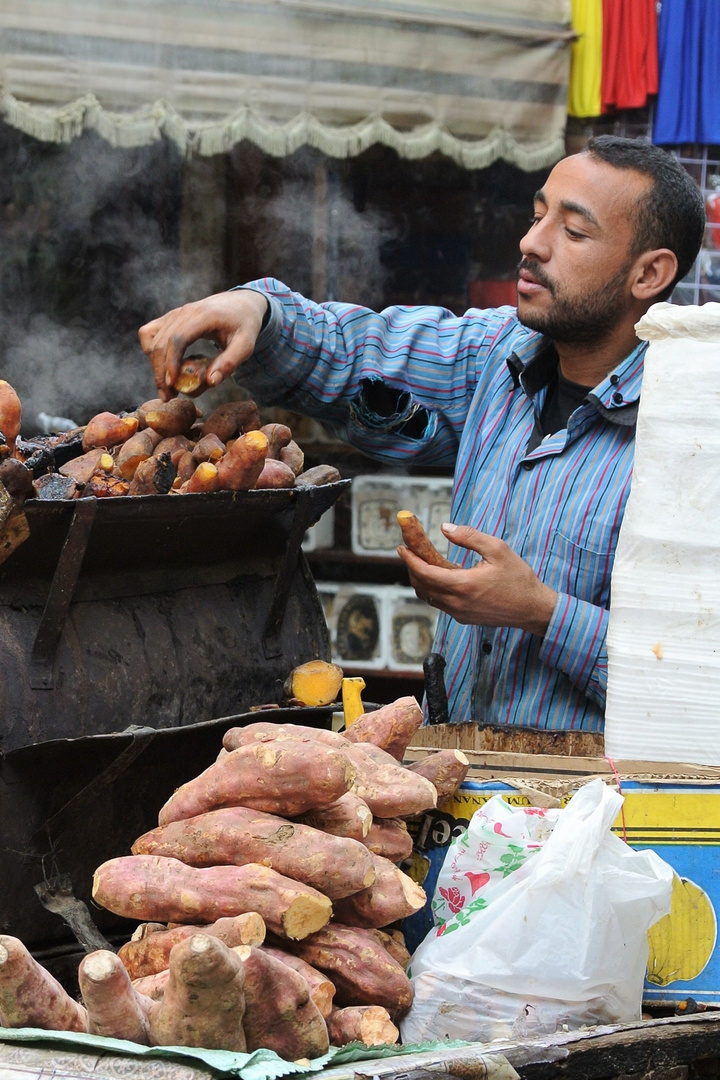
<point x="490" y="547"/>
<point x="238" y="349"/>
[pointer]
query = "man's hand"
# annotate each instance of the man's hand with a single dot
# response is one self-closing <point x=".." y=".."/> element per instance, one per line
<point x="501" y="590"/>
<point x="232" y="319"/>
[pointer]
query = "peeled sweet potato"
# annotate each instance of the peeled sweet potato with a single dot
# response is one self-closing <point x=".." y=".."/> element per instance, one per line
<point x="445" y="769"/>
<point x="114" y="1007"/>
<point x="137" y="448"/>
<point x="315" y="683"/>
<point x="192" y="376"/>
<point x="106" y="430"/>
<point x="231" y="419"/>
<point x="10" y="414"/>
<point x="151" y="887"/>
<point x="348" y="816"/>
<point x="285" y="778"/>
<point x="391" y="897"/>
<point x="391" y="727"/>
<point x="240" y="468"/>
<point x="235" y="835"/>
<point x="389" y="790"/>
<point x="361" y="970"/>
<point x="30" y="996"/>
<point x="389" y="837"/>
<point x="369" y="1024"/>
<point x="174" y="417"/>
<point x="275" y="474"/>
<point x="321" y="989"/>
<point x="416" y="540"/>
<point x="204" y="1002"/>
<point x="151" y="953"/>
<point x="280" y="1015"/>
<point x="317" y="476"/>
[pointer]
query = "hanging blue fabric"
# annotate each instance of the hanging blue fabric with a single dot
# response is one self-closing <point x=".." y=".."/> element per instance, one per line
<point x="688" y="104"/>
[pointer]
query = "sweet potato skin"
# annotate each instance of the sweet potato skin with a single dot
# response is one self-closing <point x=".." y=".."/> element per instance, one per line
<point x="10" y="414"/>
<point x="232" y="419"/>
<point x="174" y="417"/>
<point x="81" y="468"/>
<point x="266" y="731"/>
<point x="391" y="897"/>
<point x="150" y="887"/>
<point x="285" y="778"/>
<point x="348" y="816"/>
<point x="317" y="476"/>
<point x="369" y="1024"/>
<point x="204" y="478"/>
<point x="30" y="996"/>
<point x="107" y="429"/>
<point x="151" y="953"/>
<point x="388" y="789"/>
<point x="280" y="1015"/>
<point x="242" y="464"/>
<point x="389" y="837"/>
<point x="236" y="835"/>
<point x="275" y="474"/>
<point x="445" y="769"/>
<point x="321" y="989"/>
<point x="417" y="541"/>
<point x="278" y="436"/>
<point x="137" y="448"/>
<point x="114" y="1008"/>
<point x="391" y="727"/>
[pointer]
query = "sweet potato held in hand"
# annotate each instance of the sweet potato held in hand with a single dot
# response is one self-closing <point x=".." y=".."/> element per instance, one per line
<point x="417" y="541"/>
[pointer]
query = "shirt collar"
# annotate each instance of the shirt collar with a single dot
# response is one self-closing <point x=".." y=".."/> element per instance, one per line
<point x="616" y="398"/>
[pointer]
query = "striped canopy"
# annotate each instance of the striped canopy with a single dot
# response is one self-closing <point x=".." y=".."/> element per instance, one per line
<point x="474" y="79"/>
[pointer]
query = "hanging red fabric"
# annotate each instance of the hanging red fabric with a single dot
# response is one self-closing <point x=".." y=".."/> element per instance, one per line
<point x="630" y="54"/>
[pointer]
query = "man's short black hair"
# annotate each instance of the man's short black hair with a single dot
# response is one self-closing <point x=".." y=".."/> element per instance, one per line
<point x="672" y="214"/>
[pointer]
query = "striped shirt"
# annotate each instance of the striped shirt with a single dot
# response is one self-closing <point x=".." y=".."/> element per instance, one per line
<point x="481" y="380"/>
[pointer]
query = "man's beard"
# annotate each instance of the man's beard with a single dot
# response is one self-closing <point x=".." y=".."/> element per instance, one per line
<point x="584" y="320"/>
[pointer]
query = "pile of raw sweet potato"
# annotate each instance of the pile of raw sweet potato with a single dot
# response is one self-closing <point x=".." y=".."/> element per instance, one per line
<point x="267" y="897"/>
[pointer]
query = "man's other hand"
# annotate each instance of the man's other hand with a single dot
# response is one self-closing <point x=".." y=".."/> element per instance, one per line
<point x="232" y="320"/>
<point x="500" y="590"/>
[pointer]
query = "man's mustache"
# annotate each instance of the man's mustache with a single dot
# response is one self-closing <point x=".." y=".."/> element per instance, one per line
<point x="537" y="272"/>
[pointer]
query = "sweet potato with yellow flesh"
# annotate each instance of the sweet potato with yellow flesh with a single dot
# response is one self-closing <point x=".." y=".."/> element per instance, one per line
<point x="321" y="989"/>
<point x="361" y="970"/>
<point x="30" y="996"/>
<point x="278" y="436"/>
<point x="293" y="456"/>
<point x="389" y="790"/>
<point x="317" y="476"/>
<point x="152" y="887"/>
<point x="446" y="770"/>
<point x="231" y="419"/>
<point x="389" y="837"/>
<point x="369" y="1024"/>
<point x="280" y="1015"/>
<point x="107" y="430"/>
<point x="146" y="407"/>
<point x="348" y="816"/>
<point x="275" y="474"/>
<point x="240" y="467"/>
<point x="192" y="376"/>
<point x="265" y="731"/>
<point x="315" y="683"/>
<point x="204" y="478"/>
<point x="209" y="448"/>
<point x="416" y="540"/>
<point x="151" y="953"/>
<point x="285" y="778"/>
<point x="391" y="897"/>
<point x="80" y="469"/>
<point x="103" y="485"/>
<point x="138" y="447"/>
<point x="114" y="1007"/>
<point x="155" y="476"/>
<point x="174" y="417"/>
<point x="391" y="727"/>
<point x="204" y="1002"/>
<point x="10" y="414"/>
<point x="235" y="835"/>
<point x="394" y="943"/>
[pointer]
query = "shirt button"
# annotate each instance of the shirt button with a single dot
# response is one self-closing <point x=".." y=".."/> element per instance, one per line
<point x="486" y="647"/>
<point x="617" y="398"/>
<point x="614" y="379"/>
<point x="528" y="465"/>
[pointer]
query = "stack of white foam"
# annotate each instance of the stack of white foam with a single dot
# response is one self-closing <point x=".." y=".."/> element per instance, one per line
<point x="663" y="700"/>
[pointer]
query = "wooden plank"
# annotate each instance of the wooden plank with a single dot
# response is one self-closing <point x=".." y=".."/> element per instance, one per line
<point x="511" y="739"/>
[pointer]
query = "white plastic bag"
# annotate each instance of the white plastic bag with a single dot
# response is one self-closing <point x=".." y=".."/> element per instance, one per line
<point x="563" y="945"/>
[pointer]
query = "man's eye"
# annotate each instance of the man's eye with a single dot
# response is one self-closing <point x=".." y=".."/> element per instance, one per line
<point x="574" y="235"/>
<point x="534" y="219"/>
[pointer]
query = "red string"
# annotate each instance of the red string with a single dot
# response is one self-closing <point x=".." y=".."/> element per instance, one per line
<point x="611" y="763"/>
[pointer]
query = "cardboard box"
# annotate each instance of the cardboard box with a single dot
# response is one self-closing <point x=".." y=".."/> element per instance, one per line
<point x="676" y="814"/>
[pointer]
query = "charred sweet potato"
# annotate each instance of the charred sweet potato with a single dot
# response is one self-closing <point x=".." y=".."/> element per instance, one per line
<point x="103" y="485"/>
<point x="17" y="479"/>
<point x="154" y="476"/>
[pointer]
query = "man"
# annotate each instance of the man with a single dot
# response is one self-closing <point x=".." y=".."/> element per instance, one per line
<point x="535" y="409"/>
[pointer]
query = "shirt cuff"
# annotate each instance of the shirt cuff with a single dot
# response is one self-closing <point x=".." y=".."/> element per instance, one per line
<point x="273" y="322"/>
<point x="574" y="641"/>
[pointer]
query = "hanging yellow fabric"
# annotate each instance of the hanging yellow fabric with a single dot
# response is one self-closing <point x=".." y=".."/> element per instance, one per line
<point x="586" y="59"/>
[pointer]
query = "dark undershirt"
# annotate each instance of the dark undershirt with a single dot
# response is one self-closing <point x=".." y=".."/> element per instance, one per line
<point x="563" y="398"/>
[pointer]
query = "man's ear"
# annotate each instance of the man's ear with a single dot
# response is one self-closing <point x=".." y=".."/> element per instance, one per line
<point x="653" y="273"/>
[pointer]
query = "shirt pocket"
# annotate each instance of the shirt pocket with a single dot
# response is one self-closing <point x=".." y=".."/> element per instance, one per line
<point x="582" y="570"/>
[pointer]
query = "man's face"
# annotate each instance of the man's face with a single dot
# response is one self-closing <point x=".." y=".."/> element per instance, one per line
<point x="573" y="280"/>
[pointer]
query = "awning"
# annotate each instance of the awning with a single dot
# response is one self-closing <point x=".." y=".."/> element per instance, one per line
<point x="475" y="79"/>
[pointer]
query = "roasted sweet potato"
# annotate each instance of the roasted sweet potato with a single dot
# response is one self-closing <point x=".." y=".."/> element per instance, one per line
<point x="445" y="769"/>
<point x="232" y="419"/>
<point x="240" y="467"/>
<point x="114" y="1008"/>
<point x="315" y="683"/>
<point x="17" y="479"/>
<point x="186" y="466"/>
<point x="103" y="485"/>
<point x="361" y="970"/>
<point x="106" y="430"/>
<point x="10" y="414"/>
<point x="348" y="816"/>
<point x="285" y="778"/>
<point x="174" y="417"/>
<point x="81" y="468"/>
<point x="151" y="953"/>
<point x="391" y="727"/>
<point x="155" y="476"/>
<point x="53" y="486"/>
<point x="235" y="835"/>
<point x="150" y="887"/>
<point x="391" y="897"/>
<point x="389" y="790"/>
<point x="204" y="478"/>
<point x="192" y="376"/>
<point x="204" y="1002"/>
<point x="146" y="407"/>
<point x="278" y="436"/>
<point x="175" y="446"/>
<point x="280" y="1015"/>
<point x="275" y="474"/>
<point x="209" y="448"/>
<point x="417" y="541"/>
<point x="321" y="989"/>
<point x="138" y="447"/>
<point x="30" y="996"/>
<point x="293" y="456"/>
<point x="315" y="477"/>
<point x="389" y="837"/>
<point x="369" y="1024"/>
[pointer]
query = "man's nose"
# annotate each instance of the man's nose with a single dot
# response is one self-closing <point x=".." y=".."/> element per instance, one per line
<point x="536" y="242"/>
